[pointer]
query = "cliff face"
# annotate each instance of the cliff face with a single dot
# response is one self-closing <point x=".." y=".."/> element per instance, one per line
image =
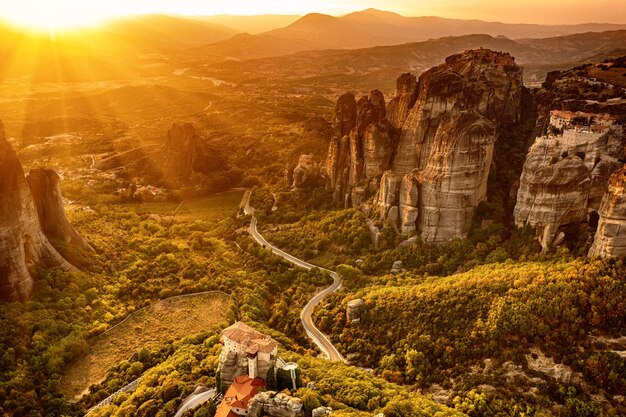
<point x="565" y="177"/>
<point x="435" y="146"/>
<point x="45" y="189"/>
<point x="23" y="243"/>
<point x="610" y="238"/>
<point x="362" y="146"/>
<point x="454" y="179"/>
<point x="185" y="154"/>
<point x="482" y="82"/>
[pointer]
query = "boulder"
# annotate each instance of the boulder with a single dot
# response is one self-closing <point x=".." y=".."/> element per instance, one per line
<point x="353" y="310"/>
<point x="397" y="267"/>
<point x="271" y="404"/>
<point x="321" y="412"/>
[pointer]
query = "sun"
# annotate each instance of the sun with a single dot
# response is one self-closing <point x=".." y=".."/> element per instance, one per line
<point x="54" y="15"/>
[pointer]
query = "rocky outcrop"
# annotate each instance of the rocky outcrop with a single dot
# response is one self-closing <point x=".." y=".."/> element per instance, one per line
<point x="610" y="238"/>
<point x="353" y="310"/>
<point x="433" y="148"/>
<point x="386" y="197"/>
<point x="45" y="189"/>
<point x="345" y="115"/>
<point x="23" y="243"/>
<point x="454" y="179"/>
<point x="185" y="154"/>
<point x="406" y="95"/>
<point x="305" y="172"/>
<point x="183" y="159"/>
<point x="231" y="365"/>
<point x="539" y="362"/>
<point x="271" y="404"/>
<point x="321" y="412"/>
<point x="377" y="150"/>
<point x="409" y="200"/>
<point x="564" y="178"/>
<point x="362" y="146"/>
<point x="481" y="81"/>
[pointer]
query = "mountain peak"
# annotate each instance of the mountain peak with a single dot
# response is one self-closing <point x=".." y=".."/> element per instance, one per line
<point x="378" y="12"/>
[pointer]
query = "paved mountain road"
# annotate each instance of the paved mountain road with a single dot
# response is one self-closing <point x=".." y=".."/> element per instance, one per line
<point x="312" y="331"/>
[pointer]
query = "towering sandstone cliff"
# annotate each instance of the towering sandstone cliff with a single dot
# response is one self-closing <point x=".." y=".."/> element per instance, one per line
<point x="432" y="146"/>
<point x="23" y="242"/>
<point x="610" y="239"/>
<point x="45" y="189"/>
<point x="566" y="173"/>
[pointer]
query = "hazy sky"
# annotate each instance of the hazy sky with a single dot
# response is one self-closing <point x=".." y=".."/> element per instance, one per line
<point x="55" y="13"/>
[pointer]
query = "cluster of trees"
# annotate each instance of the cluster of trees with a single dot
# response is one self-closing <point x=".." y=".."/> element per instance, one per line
<point x="171" y="374"/>
<point x="140" y="258"/>
<point x="343" y="234"/>
<point x="444" y="329"/>
<point x="174" y="372"/>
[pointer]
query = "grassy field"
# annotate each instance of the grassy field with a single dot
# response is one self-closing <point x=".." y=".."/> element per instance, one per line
<point x="211" y="208"/>
<point x="163" y="321"/>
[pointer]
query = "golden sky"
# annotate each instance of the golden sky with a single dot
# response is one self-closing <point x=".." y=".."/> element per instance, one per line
<point x="46" y="14"/>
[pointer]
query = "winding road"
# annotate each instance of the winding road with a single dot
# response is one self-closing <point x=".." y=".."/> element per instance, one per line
<point x="320" y="339"/>
<point x="194" y="400"/>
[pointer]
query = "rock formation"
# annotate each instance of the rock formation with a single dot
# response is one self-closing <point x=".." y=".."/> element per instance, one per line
<point x="401" y="105"/>
<point x="353" y="310"/>
<point x="565" y="176"/>
<point x="185" y="154"/>
<point x="271" y="404"/>
<point x="610" y="238"/>
<point x="362" y="146"/>
<point x="305" y="172"/>
<point x="45" y="188"/>
<point x="182" y="159"/>
<point x="321" y="412"/>
<point x="23" y="243"/>
<point x="433" y="145"/>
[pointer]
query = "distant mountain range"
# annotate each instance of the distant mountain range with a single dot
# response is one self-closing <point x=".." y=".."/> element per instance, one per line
<point x="538" y="56"/>
<point x="253" y="24"/>
<point x="373" y="27"/>
<point x="132" y="44"/>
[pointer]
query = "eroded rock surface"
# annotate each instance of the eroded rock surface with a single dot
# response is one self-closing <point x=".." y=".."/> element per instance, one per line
<point x="610" y="238"/>
<point x="271" y="404"/>
<point x="23" y="243"/>
<point x="45" y="188"/>
<point x="433" y="148"/>
<point x="565" y="175"/>
<point x="185" y="154"/>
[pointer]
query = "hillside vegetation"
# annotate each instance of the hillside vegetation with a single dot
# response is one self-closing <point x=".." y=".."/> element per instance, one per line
<point x="472" y="333"/>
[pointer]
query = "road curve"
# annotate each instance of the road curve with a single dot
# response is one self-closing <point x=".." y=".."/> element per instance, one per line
<point x="194" y="400"/>
<point x="320" y="339"/>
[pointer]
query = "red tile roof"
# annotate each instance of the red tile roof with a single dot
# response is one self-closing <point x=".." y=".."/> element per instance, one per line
<point x="239" y="394"/>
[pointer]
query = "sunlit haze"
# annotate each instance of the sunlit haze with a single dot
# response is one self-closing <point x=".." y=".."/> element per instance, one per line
<point x="62" y="14"/>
